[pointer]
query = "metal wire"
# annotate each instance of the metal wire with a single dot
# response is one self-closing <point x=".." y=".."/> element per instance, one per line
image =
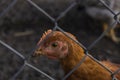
<point x="62" y="14"/>
<point x="33" y="67"/>
<point x="18" y="72"/>
<point x="41" y="10"/>
<point x="12" y="49"/>
<point x="102" y="35"/>
<point x="66" y="11"/>
<point x="8" y="8"/>
<point x="75" y="68"/>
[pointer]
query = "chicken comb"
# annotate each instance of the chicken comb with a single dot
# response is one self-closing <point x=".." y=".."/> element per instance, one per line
<point x="44" y="36"/>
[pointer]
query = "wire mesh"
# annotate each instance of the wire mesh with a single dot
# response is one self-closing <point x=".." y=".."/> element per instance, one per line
<point x="56" y="26"/>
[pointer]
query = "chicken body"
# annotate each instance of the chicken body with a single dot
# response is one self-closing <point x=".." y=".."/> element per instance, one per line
<point x="59" y="46"/>
<point x="96" y="10"/>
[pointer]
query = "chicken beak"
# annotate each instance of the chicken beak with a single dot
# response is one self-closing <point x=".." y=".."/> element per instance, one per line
<point x="37" y="52"/>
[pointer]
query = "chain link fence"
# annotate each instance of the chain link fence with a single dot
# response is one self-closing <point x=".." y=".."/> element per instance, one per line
<point x="25" y="61"/>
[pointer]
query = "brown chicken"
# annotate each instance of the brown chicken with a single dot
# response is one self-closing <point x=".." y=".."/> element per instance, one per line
<point x="59" y="46"/>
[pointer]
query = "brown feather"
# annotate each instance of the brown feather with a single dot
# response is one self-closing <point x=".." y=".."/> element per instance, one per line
<point x="89" y="69"/>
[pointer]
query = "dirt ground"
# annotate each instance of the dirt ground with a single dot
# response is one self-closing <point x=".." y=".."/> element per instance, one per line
<point x="24" y="36"/>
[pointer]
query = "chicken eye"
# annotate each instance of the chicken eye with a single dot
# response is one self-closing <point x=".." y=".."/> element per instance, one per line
<point x="54" y="44"/>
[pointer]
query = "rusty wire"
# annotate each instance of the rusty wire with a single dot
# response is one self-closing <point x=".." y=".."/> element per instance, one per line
<point x="56" y="26"/>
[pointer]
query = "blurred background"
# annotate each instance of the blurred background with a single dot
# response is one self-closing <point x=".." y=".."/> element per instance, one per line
<point x="22" y="24"/>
